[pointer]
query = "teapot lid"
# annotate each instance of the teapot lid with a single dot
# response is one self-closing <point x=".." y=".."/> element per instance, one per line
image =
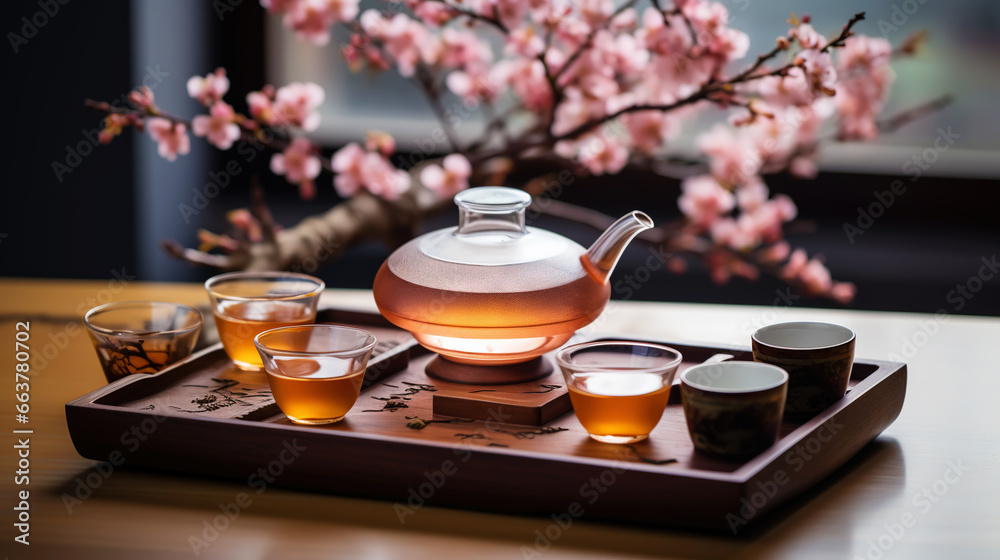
<point x="491" y="231"/>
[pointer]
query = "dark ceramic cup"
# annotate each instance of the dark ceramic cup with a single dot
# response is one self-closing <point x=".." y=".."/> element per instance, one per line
<point x="818" y="358"/>
<point x="733" y="409"/>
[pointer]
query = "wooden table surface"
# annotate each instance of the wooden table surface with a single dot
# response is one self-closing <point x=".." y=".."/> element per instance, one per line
<point x="928" y="487"/>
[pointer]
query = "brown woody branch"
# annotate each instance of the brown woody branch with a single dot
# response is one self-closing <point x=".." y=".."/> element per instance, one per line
<point x="255" y="134"/>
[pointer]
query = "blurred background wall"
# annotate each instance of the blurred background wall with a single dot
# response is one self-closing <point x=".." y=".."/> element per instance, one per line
<point x="73" y="209"/>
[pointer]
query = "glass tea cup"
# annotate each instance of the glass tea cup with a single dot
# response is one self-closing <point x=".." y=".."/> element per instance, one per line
<point x="141" y="336"/>
<point x="619" y="389"/>
<point x="315" y="371"/>
<point x="246" y="304"/>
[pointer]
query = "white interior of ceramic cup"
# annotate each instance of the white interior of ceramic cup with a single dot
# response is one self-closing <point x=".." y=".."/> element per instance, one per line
<point x="734" y="377"/>
<point x="804" y="336"/>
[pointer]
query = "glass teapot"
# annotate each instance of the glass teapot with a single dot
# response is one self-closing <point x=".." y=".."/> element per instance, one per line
<point x="492" y="291"/>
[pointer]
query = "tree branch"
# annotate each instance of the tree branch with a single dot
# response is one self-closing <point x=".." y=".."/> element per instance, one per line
<point x="844" y="33"/>
<point x="905" y="117"/>
<point x="494" y="21"/>
<point x="433" y="95"/>
<point x="254" y="135"/>
<point x="590" y="40"/>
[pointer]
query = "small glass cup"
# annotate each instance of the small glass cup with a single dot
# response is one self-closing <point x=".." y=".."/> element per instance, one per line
<point x="619" y="389"/>
<point x="246" y="304"/>
<point x="315" y="371"/>
<point x="141" y="336"/>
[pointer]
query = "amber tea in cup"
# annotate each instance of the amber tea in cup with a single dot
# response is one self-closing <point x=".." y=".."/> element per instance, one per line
<point x="246" y="304"/>
<point x="315" y="371"/>
<point x="619" y="390"/>
<point x="141" y="336"/>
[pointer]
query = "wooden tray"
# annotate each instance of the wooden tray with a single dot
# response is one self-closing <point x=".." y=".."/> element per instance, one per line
<point x="204" y="416"/>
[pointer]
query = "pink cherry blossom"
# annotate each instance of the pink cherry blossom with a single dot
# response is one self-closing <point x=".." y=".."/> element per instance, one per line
<point x="703" y="200"/>
<point x="433" y="13"/>
<point x="549" y="13"/>
<point x="751" y="195"/>
<point x="808" y="37"/>
<point x="601" y="154"/>
<point x="346" y="162"/>
<point x="647" y="130"/>
<point x="261" y="106"/>
<point x="114" y="123"/>
<point x="710" y="20"/>
<point x="766" y="220"/>
<point x="172" y="138"/>
<point x="403" y="38"/>
<point x="843" y="292"/>
<point x="629" y="55"/>
<point x="382" y="179"/>
<point x="576" y="109"/>
<point x="360" y="51"/>
<point x="625" y="21"/>
<point x="595" y="12"/>
<point x="312" y="19"/>
<point x="804" y="168"/>
<point x="733" y="158"/>
<point x="243" y="220"/>
<point x="815" y="277"/>
<point x="449" y="178"/>
<point x="572" y="31"/>
<point x="795" y="264"/>
<point x="738" y="234"/>
<point x="861" y="95"/>
<point x="296" y="104"/>
<point x="464" y="48"/>
<point x="299" y="164"/>
<point x="381" y="142"/>
<point x="524" y="41"/>
<point x="802" y="85"/>
<point x="510" y="12"/>
<point x="527" y="80"/>
<point x="218" y="128"/>
<point x="142" y="98"/>
<point x="208" y="89"/>
<point x="677" y="72"/>
<point x="357" y="168"/>
<point x="776" y="252"/>
<point x="277" y="6"/>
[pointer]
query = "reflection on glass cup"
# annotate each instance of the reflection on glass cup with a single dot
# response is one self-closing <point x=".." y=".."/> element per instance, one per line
<point x="246" y="304"/>
<point x="818" y="358"/>
<point x="619" y="389"/>
<point x="733" y="409"/>
<point x="141" y="336"/>
<point x="315" y="371"/>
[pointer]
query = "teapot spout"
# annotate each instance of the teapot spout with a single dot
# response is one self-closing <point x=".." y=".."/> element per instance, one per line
<point x="603" y="255"/>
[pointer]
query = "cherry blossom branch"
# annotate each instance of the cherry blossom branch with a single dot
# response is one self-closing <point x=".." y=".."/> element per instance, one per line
<point x="886" y="125"/>
<point x="680" y="13"/>
<point x="905" y="117"/>
<point x="672" y="238"/>
<point x="426" y="80"/>
<point x="247" y="134"/>
<point x="845" y="33"/>
<point x="761" y="59"/>
<point x="590" y="40"/>
<point x="494" y="21"/>
<point x="712" y="87"/>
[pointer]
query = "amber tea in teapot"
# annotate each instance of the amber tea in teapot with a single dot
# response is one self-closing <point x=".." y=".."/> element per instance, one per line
<point x="492" y="291"/>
